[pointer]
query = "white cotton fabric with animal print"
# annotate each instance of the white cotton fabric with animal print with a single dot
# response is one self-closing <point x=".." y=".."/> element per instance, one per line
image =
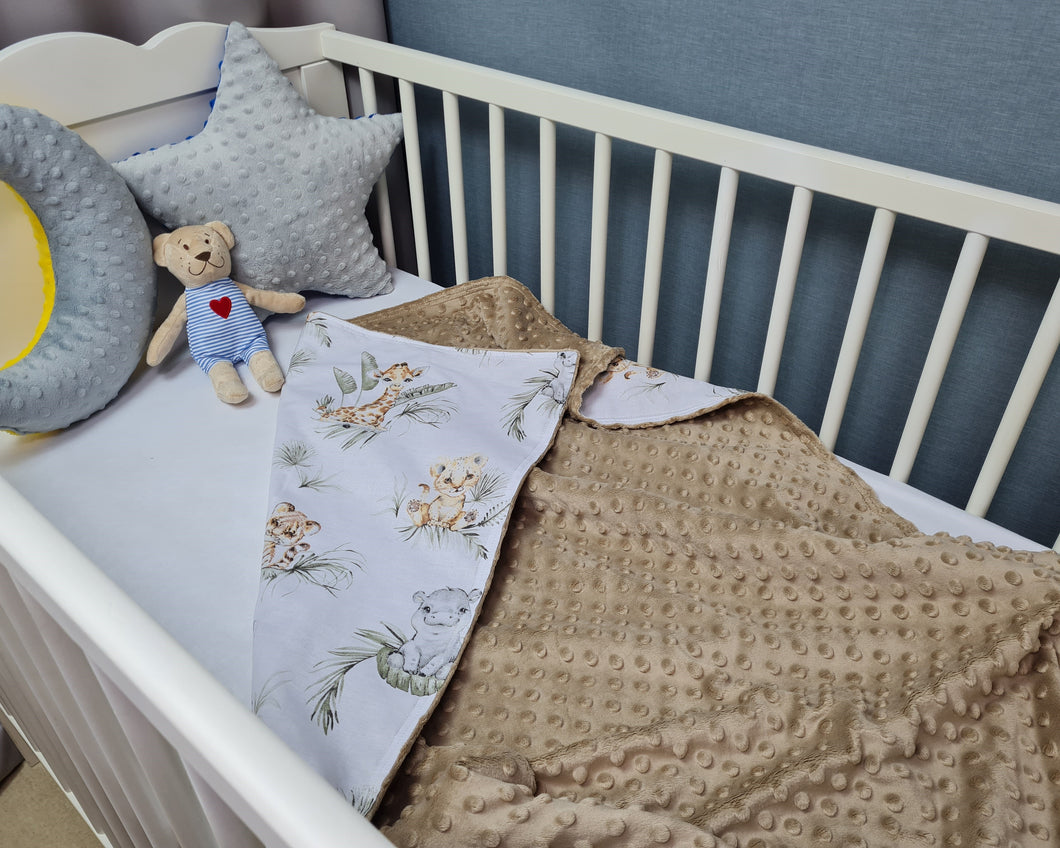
<point x="396" y="464"/>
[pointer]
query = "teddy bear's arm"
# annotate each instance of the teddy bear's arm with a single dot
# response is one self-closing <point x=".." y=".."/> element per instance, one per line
<point x="166" y="334"/>
<point x="273" y="301"/>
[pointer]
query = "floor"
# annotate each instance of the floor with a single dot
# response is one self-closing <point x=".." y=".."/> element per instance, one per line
<point x="34" y="812"/>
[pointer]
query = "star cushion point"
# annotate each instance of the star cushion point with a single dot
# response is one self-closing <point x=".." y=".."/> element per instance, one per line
<point x="291" y="183"/>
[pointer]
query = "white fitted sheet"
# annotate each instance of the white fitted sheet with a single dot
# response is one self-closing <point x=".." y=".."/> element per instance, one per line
<point x="180" y="530"/>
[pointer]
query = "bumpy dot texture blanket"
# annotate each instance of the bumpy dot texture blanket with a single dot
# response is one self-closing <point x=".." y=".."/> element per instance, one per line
<point x="710" y="632"/>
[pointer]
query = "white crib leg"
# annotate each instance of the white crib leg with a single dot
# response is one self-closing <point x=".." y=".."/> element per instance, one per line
<point x="13" y="702"/>
<point x="11" y="737"/>
<point x="46" y="747"/>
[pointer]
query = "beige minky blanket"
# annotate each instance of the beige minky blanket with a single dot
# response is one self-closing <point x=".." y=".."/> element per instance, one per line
<point x="710" y="632"/>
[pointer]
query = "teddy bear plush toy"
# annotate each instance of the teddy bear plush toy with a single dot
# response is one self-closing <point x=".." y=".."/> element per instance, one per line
<point x="222" y="327"/>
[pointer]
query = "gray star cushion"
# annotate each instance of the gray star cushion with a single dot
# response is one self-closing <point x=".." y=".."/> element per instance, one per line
<point x="290" y="183"/>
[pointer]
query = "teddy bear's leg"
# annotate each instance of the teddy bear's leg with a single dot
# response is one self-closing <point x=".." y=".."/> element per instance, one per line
<point x="266" y="370"/>
<point x="226" y="383"/>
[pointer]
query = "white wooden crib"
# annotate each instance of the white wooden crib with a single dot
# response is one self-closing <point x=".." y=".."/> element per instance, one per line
<point x="129" y="679"/>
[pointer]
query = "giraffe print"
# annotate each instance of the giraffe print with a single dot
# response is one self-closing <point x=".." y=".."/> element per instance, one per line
<point x="627" y="368"/>
<point x="372" y="414"/>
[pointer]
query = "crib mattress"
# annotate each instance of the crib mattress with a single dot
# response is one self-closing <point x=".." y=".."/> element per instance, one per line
<point x="175" y="518"/>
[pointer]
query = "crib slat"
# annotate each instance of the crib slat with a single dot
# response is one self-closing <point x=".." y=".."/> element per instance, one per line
<point x="14" y="700"/>
<point x="49" y="752"/>
<point x="382" y="191"/>
<point x="454" y="155"/>
<point x="57" y="659"/>
<point x="323" y="85"/>
<point x="498" y="201"/>
<point x="165" y="768"/>
<point x="857" y="324"/>
<point x="369" y="98"/>
<point x="598" y="239"/>
<point x="649" y="308"/>
<point x="790" y="257"/>
<point x="115" y="754"/>
<point x="724" y="210"/>
<point x="54" y="738"/>
<point x="39" y="673"/>
<point x="949" y="325"/>
<point x="231" y="831"/>
<point x="23" y="694"/>
<point x="1035" y="367"/>
<point x="410" y="126"/>
<point x="547" y="165"/>
<point x="14" y="731"/>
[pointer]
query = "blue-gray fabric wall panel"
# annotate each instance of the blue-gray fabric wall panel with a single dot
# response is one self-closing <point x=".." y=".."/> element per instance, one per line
<point x="958" y="88"/>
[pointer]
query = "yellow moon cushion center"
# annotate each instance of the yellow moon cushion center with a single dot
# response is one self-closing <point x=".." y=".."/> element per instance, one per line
<point x="27" y="281"/>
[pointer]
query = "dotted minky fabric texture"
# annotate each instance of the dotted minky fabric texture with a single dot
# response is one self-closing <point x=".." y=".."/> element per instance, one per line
<point x="710" y="632"/>
<point x="290" y="183"/>
<point x="104" y="277"/>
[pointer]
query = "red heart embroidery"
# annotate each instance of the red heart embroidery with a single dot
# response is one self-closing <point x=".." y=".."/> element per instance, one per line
<point x="222" y="307"/>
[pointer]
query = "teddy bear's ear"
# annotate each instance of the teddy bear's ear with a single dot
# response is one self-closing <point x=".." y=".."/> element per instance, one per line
<point x="159" y="248"/>
<point x="222" y="229"/>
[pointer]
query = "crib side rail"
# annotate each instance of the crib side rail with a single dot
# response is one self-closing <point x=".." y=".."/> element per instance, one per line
<point x="113" y="706"/>
<point x="990" y="212"/>
<point x="982" y="213"/>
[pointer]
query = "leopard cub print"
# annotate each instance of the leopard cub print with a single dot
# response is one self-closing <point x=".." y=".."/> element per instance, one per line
<point x="284" y="532"/>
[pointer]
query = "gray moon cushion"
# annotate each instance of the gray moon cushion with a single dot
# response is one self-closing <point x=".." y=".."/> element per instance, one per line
<point x="290" y="183"/>
<point x="104" y="276"/>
